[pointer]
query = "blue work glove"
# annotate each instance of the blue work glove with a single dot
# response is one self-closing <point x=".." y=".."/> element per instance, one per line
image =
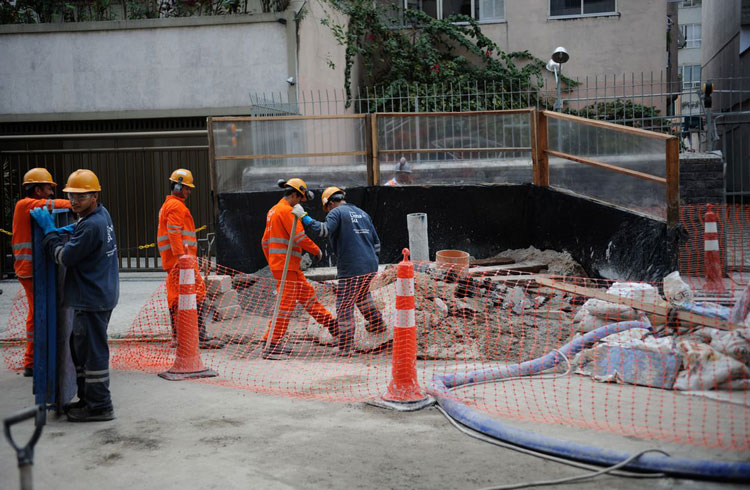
<point x="44" y="220"/>
<point x="67" y="229"/>
<point x="306" y="220"/>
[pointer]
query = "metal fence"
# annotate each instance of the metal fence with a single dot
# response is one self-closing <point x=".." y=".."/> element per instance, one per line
<point x="133" y="179"/>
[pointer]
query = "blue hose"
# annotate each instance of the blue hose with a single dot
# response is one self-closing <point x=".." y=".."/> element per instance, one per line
<point x="652" y="462"/>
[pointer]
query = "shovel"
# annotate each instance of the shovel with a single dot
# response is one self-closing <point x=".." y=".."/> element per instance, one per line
<point x="283" y="280"/>
<point x="25" y="454"/>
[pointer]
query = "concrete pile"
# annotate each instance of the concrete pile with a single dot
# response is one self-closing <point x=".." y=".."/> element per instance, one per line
<point x="673" y="355"/>
<point x="221" y="298"/>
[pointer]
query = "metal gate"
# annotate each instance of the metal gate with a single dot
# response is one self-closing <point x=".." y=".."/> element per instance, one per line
<point x="133" y="168"/>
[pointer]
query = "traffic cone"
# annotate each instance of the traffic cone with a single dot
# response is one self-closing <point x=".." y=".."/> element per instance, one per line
<point x="187" y="363"/>
<point x="712" y="253"/>
<point x="404" y="393"/>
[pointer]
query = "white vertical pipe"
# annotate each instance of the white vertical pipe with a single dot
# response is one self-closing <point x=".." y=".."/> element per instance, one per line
<point x="416" y="223"/>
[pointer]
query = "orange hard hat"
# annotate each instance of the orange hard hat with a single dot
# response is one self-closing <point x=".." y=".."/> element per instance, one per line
<point x="299" y="186"/>
<point x="82" y="180"/>
<point x="182" y="176"/>
<point x="38" y="176"/>
<point x="330" y="191"/>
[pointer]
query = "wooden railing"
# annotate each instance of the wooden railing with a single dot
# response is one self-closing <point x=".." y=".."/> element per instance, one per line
<point x="539" y="148"/>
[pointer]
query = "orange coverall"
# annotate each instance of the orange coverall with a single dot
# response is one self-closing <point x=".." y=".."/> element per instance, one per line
<point x="275" y="241"/>
<point x="21" y="244"/>
<point x="176" y="236"/>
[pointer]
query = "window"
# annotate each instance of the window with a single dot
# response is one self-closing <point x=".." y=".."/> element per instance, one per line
<point x="690" y="76"/>
<point x="692" y="35"/>
<point x="572" y="8"/>
<point x="481" y="10"/>
<point x="691" y="3"/>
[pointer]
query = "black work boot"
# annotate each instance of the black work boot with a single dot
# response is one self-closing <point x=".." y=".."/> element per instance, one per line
<point x="28" y="372"/>
<point x="276" y="352"/>
<point x="86" y="414"/>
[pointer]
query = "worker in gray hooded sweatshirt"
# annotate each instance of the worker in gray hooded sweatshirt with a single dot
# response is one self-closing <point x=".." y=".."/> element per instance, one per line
<point x="356" y="244"/>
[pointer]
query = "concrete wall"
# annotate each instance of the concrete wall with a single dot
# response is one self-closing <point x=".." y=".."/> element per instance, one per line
<point x="721" y="40"/>
<point x="146" y="68"/>
<point x="701" y="178"/>
<point x="633" y="41"/>
<point x="317" y="48"/>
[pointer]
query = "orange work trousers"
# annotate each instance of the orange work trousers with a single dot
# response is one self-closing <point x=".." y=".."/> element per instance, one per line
<point x="173" y="286"/>
<point x="297" y="290"/>
<point x="28" y="355"/>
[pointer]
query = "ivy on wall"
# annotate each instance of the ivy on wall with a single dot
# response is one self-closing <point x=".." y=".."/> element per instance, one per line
<point x="409" y="51"/>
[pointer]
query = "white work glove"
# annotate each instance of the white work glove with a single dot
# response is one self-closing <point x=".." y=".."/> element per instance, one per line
<point x="299" y="211"/>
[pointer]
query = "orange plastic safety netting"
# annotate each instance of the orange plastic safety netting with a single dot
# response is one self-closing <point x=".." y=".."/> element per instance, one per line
<point x="680" y="375"/>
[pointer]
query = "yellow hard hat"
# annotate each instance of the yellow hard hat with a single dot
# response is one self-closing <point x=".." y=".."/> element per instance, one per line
<point x="299" y="186"/>
<point x="329" y="192"/>
<point x="38" y="176"/>
<point x="82" y="180"/>
<point x="182" y="176"/>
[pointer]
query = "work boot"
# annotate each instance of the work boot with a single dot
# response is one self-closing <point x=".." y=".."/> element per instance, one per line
<point x="75" y="405"/>
<point x="276" y="352"/>
<point x="28" y="372"/>
<point x="86" y="414"/>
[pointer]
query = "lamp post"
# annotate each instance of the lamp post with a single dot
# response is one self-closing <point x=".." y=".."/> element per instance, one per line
<point x="559" y="57"/>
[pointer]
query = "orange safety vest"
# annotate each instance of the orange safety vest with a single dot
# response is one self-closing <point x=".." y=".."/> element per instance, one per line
<point x="21" y="240"/>
<point x="393" y="183"/>
<point x="276" y="238"/>
<point x="176" y="235"/>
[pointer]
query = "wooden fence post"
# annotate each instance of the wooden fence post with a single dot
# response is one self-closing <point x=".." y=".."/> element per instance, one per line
<point x="373" y="167"/>
<point x="673" y="181"/>
<point x="539" y="155"/>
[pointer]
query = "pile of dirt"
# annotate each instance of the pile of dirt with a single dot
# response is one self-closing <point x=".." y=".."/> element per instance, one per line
<point x="558" y="263"/>
<point x="459" y="318"/>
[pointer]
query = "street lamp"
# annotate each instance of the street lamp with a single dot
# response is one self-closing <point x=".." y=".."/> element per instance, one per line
<point x="559" y="56"/>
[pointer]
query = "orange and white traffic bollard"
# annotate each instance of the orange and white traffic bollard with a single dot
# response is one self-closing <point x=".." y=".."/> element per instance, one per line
<point x="187" y="363"/>
<point x="404" y="393"/>
<point x="712" y="252"/>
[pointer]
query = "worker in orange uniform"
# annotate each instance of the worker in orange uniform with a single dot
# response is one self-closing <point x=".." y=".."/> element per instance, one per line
<point x="40" y="189"/>
<point x="275" y="242"/>
<point x="176" y="237"/>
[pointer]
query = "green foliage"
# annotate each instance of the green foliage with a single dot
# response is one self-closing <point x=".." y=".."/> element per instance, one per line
<point x="623" y="111"/>
<point x="407" y="50"/>
<point x="46" y="11"/>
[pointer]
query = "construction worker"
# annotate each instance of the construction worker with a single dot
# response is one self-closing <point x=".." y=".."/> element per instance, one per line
<point x="402" y="176"/>
<point x="91" y="290"/>
<point x="40" y="189"/>
<point x="275" y="242"/>
<point x="357" y="246"/>
<point x="176" y="237"/>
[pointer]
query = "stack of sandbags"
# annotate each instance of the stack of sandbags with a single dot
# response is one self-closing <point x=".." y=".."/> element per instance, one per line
<point x="222" y="298"/>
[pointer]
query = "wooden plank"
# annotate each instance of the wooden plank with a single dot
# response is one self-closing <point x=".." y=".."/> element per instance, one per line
<point x="613" y="168"/>
<point x="492" y="261"/>
<point x="272" y="156"/>
<point x="467" y="113"/>
<point x="490" y="270"/>
<point x="607" y="125"/>
<point x="660" y="309"/>
<point x="462" y="149"/>
<point x="525" y="280"/>
<point x="287" y="118"/>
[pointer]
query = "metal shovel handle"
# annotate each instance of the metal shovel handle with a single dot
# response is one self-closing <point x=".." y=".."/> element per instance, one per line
<point x="25" y="453"/>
